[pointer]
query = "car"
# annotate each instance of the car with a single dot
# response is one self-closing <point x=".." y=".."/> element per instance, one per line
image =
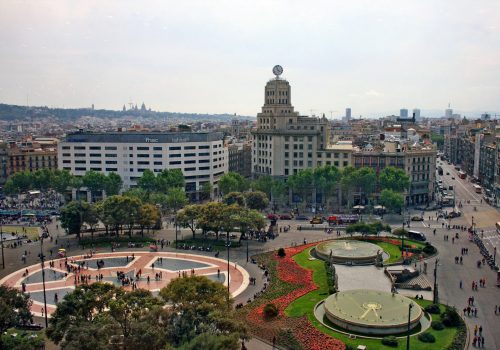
<point x="454" y="214"/>
<point x="447" y="173"/>
<point x="453" y="177"/>
<point x="316" y="220"/>
<point x="418" y="236"/>
<point x="272" y="216"/>
<point x="417" y="218"/>
<point x="285" y="217"/>
<point x="301" y="218"/>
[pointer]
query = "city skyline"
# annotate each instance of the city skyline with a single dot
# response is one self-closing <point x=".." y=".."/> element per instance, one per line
<point x="194" y="57"/>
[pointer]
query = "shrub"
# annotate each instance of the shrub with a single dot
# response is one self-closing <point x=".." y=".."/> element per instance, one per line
<point x="270" y="310"/>
<point x="426" y="338"/>
<point x="433" y="309"/>
<point x="390" y="341"/>
<point x="436" y="325"/>
<point x="429" y="249"/>
<point x="281" y="253"/>
<point x="450" y="317"/>
<point x="399" y="232"/>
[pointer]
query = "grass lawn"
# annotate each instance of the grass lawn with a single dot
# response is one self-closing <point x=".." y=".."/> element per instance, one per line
<point x="31" y="232"/>
<point x="393" y="251"/>
<point x="305" y="306"/>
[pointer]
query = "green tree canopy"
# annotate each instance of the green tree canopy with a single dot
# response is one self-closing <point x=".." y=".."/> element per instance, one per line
<point x="256" y="200"/>
<point x="113" y="184"/>
<point x="394" y="179"/>
<point x="392" y="201"/>
<point x="94" y="181"/>
<point x="232" y="182"/>
<point x="14" y="309"/>
<point x="234" y="198"/>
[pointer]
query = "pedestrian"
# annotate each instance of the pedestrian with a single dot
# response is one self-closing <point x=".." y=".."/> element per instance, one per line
<point x="475" y="312"/>
<point x="460" y="284"/>
<point x="482" y="342"/>
<point x="481" y="330"/>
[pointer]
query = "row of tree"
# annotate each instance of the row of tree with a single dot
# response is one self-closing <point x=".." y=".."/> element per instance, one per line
<point x="102" y="316"/>
<point x="328" y="182"/>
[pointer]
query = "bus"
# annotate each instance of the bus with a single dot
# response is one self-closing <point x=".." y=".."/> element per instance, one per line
<point x="477" y="188"/>
<point x="462" y="174"/>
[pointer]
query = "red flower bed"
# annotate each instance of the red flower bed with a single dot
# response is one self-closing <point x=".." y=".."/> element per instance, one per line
<point x="388" y="240"/>
<point x="312" y="339"/>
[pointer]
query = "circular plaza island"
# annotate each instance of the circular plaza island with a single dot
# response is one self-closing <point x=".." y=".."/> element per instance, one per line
<point x="349" y="252"/>
<point x="372" y="312"/>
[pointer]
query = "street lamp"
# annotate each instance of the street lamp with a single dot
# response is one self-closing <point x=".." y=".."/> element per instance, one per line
<point x="42" y="257"/>
<point x="410" y="306"/>
<point x="247" y="244"/>
<point x="435" y="298"/>
<point x="228" y="244"/>
<point x="1" y="238"/>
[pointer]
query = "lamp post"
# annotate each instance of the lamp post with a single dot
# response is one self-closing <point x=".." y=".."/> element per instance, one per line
<point x="247" y="244"/>
<point x="435" y="295"/>
<point x="42" y="257"/>
<point x="228" y="244"/>
<point x="410" y="306"/>
<point x="1" y="238"/>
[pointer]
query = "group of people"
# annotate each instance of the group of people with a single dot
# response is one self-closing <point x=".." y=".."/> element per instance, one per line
<point x="478" y="339"/>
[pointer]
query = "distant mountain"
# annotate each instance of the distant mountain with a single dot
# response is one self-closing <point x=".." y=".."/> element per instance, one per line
<point x="14" y="112"/>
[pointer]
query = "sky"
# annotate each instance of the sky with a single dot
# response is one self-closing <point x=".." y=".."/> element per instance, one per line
<point x="375" y="56"/>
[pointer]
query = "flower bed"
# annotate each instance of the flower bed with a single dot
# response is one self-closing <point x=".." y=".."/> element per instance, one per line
<point x="293" y="281"/>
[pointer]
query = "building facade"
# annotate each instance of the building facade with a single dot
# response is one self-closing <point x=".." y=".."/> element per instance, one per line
<point x="240" y="158"/>
<point x="202" y="157"/>
<point x="285" y="142"/>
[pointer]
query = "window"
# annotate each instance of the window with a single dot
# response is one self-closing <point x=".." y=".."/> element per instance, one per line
<point x="157" y="148"/>
<point x="68" y="155"/>
<point x="95" y="148"/>
<point x="65" y="147"/>
<point x="203" y="168"/>
<point x="189" y="161"/>
<point x="189" y="147"/>
<point x="79" y="147"/>
<point x="110" y="148"/>
<point x="143" y="162"/>
<point x="66" y="161"/>
<point x="142" y="148"/>
<point x="94" y="154"/>
<point x="143" y="155"/>
<point x="204" y="161"/>
<point x="189" y="154"/>
<point x="79" y="154"/>
<point x="110" y="155"/>
<point x="157" y="155"/>
<point x="80" y="169"/>
<point x="203" y="147"/>
<point x="174" y="155"/>
<point x="95" y="162"/>
<point x="174" y="148"/>
<point x="175" y="162"/>
<point x="158" y="163"/>
<point x="96" y="169"/>
<point x="204" y="154"/>
<point x="80" y="162"/>
<point x="111" y="162"/>
<point x="189" y="169"/>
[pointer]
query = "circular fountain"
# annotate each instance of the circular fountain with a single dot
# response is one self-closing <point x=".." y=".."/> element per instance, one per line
<point x="349" y="252"/>
<point x="371" y="312"/>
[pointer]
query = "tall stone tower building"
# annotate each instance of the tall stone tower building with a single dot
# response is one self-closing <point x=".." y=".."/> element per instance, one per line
<point x="285" y="142"/>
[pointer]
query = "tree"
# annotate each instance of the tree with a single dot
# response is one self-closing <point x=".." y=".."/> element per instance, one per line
<point x="365" y="179"/>
<point x="394" y="179"/>
<point x="72" y="217"/>
<point x="393" y="201"/>
<point x="42" y="179"/>
<point x="176" y="198"/>
<point x="302" y="183"/>
<point x="326" y="180"/>
<point x="265" y="184"/>
<point x="234" y="198"/>
<point x="95" y="182"/>
<point x="19" y="182"/>
<point x="200" y="308"/>
<point x="147" y="181"/>
<point x="249" y="219"/>
<point x="14" y="309"/>
<point x="148" y="216"/>
<point x="61" y="181"/>
<point x="212" y="216"/>
<point x="206" y="190"/>
<point x="131" y="211"/>
<point x="232" y="182"/>
<point x="256" y="200"/>
<point x="188" y="217"/>
<point x="113" y="184"/>
<point x="168" y="179"/>
<point x="348" y="182"/>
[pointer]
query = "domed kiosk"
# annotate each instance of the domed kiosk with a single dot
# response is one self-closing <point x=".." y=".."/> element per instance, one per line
<point x="372" y="312"/>
<point x="349" y="252"/>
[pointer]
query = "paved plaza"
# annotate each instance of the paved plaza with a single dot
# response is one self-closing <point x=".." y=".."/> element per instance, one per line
<point x="144" y="268"/>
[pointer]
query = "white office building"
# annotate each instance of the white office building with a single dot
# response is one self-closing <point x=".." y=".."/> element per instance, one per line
<point x="202" y="157"/>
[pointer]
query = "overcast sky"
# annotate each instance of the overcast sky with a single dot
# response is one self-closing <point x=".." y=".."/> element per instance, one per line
<point x="375" y="56"/>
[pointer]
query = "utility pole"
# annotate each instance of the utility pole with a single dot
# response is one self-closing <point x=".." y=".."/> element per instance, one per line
<point x="228" y="244"/>
<point x="42" y="258"/>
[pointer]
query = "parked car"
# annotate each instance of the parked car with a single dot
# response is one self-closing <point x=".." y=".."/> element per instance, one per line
<point x="454" y="214"/>
<point x="417" y="218"/>
<point x="285" y="217"/>
<point x="301" y="218"/>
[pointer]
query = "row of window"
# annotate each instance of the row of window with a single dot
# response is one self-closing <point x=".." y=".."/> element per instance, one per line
<point x="139" y="148"/>
<point x="142" y="155"/>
